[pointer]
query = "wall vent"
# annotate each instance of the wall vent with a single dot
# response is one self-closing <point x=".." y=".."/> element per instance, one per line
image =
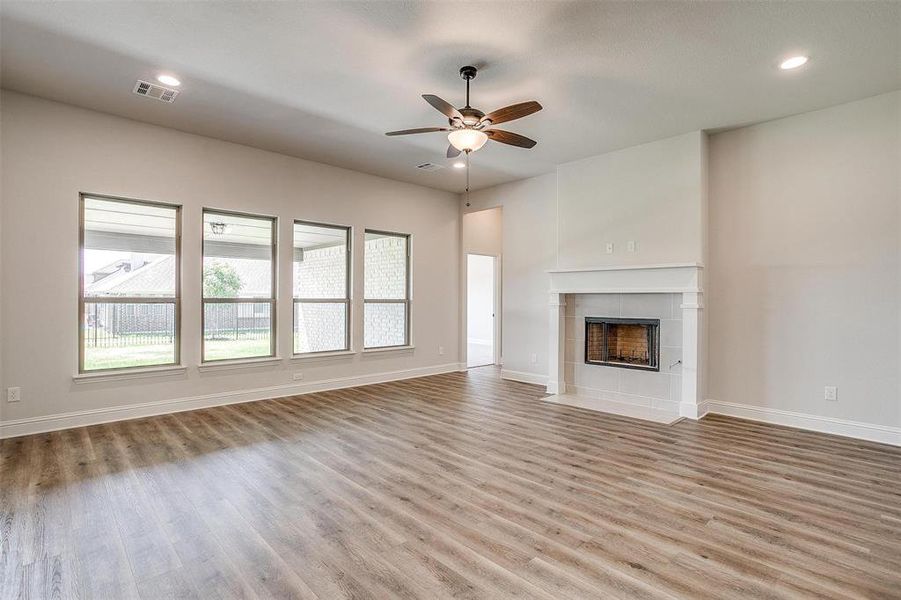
<point x="152" y="90"/>
<point x="429" y="167"/>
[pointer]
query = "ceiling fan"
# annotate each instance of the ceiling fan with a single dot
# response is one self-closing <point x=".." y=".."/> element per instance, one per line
<point x="469" y="127"/>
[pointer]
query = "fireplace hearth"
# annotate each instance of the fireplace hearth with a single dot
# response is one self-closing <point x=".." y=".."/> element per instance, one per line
<point x="624" y="343"/>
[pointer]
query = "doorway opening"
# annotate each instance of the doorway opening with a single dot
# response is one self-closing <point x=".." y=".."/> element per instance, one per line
<point x="481" y="310"/>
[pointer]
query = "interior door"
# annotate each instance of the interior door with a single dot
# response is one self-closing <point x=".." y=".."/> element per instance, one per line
<point x="481" y="298"/>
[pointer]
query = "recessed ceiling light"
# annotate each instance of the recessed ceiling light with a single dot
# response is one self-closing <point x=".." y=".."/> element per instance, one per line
<point x="793" y="63"/>
<point x="459" y="165"/>
<point x="168" y="80"/>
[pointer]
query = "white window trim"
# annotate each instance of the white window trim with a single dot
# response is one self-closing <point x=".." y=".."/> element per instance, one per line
<point x="238" y="363"/>
<point x="129" y="373"/>
<point x="388" y="349"/>
<point x="323" y="354"/>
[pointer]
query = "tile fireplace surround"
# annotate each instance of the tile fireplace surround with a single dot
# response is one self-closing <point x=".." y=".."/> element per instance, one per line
<point x="680" y="282"/>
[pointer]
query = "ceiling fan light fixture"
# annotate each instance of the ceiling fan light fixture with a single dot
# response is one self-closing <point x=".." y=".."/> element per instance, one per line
<point x="467" y="140"/>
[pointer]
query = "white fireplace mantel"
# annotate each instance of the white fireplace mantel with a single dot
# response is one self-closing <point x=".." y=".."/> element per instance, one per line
<point x="640" y="279"/>
<point x="680" y="278"/>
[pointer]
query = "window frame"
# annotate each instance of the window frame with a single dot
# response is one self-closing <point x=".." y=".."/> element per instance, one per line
<point x="82" y="300"/>
<point x="273" y="296"/>
<point x="407" y="301"/>
<point x="348" y="289"/>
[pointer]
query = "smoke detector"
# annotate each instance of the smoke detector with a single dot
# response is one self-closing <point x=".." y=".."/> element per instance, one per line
<point x="152" y="90"/>
<point x="429" y="167"/>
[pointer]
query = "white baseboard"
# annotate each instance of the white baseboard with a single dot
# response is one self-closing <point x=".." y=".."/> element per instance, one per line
<point x="28" y="426"/>
<point x="854" y="429"/>
<point x="524" y="377"/>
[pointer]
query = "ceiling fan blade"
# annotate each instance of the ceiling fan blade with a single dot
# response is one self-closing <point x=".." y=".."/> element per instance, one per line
<point x="507" y="137"/>
<point x="420" y="130"/>
<point x="452" y="152"/>
<point x="446" y="108"/>
<point x="509" y="113"/>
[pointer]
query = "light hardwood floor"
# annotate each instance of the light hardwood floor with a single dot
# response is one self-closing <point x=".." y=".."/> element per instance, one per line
<point x="457" y="485"/>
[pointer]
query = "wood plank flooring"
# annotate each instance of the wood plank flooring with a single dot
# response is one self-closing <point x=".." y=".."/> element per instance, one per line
<point x="457" y="485"/>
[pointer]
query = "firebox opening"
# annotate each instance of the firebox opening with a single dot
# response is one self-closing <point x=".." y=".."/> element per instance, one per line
<point x="625" y="343"/>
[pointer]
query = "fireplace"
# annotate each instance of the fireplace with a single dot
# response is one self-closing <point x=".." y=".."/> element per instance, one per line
<point x="625" y="343"/>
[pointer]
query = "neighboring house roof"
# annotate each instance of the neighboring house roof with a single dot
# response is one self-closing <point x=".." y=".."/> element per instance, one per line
<point x="157" y="276"/>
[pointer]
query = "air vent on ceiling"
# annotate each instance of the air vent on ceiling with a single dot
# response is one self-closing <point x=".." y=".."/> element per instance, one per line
<point x="429" y="167"/>
<point x="151" y="90"/>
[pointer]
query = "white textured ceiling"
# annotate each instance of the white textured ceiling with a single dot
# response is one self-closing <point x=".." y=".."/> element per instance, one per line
<point x="325" y="80"/>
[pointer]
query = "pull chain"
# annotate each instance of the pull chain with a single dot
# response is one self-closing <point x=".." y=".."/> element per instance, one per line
<point x="467" y="175"/>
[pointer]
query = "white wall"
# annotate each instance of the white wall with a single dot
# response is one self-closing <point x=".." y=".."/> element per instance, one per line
<point x="804" y="262"/>
<point x="653" y="194"/>
<point x="529" y="216"/>
<point x="483" y="232"/>
<point x="51" y="152"/>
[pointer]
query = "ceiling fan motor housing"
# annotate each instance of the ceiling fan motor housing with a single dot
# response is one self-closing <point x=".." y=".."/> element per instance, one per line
<point x="468" y="72"/>
<point x="471" y="116"/>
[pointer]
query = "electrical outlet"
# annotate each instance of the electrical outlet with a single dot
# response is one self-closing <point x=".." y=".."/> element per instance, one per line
<point x="632" y="246"/>
<point x="831" y="393"/>
<point x="13" y="394"/>
<point x="534" y="358"/>
<point x="609" y="247"/>
<point x="297" y="376"/>
<point x="441" y="350"/>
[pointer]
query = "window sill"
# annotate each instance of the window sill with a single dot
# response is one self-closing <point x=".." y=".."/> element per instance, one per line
<point x="330" y="354"/>
<point x="138" y="373"/>
<point x="388" y="349"/>
<point x="241" y="363"/>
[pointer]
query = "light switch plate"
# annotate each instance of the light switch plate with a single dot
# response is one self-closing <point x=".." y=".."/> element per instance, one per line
<point x="13" y="394"/>
<point x="831" y="393"/>
<point x="609" y="247"/>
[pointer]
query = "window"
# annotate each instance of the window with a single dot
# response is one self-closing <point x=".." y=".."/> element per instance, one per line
<point x="239" y="258"/>
<point x="321" y="287"/>
<point x="129" y="273"/>
<point x="386" y="297"/>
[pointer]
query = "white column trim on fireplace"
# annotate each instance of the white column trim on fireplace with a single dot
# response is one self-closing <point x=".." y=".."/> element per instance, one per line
<point x="679" y="278"/>
<point x="692" y="403"/>
<point x="556" y="344"/>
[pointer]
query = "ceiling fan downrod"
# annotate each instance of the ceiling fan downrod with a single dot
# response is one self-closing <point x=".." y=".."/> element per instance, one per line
<point x="468" y="73"/>
<point x="467" y="176"/>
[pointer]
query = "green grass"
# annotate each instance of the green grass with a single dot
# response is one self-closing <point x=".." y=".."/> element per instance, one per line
<point x="128" y="356"/>
<point x="148" y="356"/>
<point x="230" y="349"/>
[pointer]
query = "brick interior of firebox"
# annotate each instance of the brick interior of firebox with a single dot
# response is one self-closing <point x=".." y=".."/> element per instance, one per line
<point x="626" y="343"/>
